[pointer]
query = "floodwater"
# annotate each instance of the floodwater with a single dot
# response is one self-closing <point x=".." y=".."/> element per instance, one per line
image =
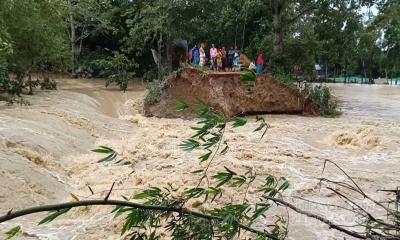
<point x="45" y="155"/>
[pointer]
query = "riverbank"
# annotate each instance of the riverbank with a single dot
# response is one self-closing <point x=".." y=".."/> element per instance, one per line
<point x="45" y="153"/>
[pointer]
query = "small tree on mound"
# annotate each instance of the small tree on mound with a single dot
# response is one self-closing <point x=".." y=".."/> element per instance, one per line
<point x="117" y="69"/>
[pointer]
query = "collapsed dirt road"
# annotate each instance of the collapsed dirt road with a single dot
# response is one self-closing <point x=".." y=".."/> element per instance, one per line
<point x="45" y="153"/>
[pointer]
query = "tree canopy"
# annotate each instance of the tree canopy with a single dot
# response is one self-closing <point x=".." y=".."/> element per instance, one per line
<point x="337" y="34"/>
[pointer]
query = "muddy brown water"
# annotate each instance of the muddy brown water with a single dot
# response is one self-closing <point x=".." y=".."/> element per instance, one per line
<point x="45" y="154"/>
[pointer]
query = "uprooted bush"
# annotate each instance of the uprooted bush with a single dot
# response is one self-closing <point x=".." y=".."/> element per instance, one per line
<point x="156" y="89"/>
<point x="322" y="99"/>
<point x="320" y="96"/>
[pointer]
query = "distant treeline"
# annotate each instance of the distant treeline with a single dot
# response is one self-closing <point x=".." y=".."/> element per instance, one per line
<point x="75" y="36"/>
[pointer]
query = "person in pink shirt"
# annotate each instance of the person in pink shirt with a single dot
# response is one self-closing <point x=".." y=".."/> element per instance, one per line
<point x="213" y="56"/>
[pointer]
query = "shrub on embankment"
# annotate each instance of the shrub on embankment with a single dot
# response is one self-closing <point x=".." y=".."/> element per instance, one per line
<point x="323" y="102"/>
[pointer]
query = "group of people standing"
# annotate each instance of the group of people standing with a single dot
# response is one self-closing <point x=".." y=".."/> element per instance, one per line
<point x="220" y="59"/>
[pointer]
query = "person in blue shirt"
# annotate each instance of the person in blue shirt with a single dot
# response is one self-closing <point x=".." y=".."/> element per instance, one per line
<point x="196" y="55"/>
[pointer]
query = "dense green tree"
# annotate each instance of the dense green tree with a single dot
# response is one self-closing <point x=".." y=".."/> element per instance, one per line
<point x="388" y="22"/>
<point x="36" y="33"/>
<point x="290" y="32"/>
<point x="86" y="18"/>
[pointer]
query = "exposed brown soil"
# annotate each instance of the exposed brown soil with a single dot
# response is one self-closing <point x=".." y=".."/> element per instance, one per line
<point x="225" y="92"/>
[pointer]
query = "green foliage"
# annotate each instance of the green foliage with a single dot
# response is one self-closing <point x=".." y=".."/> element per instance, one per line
<point x="13" y="232"/>
<point x="5" y="83"/>
<point x="118" y="69"/>
<point x="263" y="126"/>
<point x="8" y="88"/>
<point x="239" y="122"/>
<point x="36" y="34"/>
<point x="111" y="154"/>
<point x="248" y="79"/>
<point x="321" y="98"/>
<point x="189" y="145"/>
<point x="180" y="106"/>
<point x="248" y="76"/>
<point x="155" y="92"/>
<point x="285" y="79"/>
<point x="333" y="33"/>
<point x="54" y="215"/>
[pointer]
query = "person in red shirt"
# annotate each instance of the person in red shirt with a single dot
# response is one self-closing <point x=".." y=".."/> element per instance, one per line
<point x="260" y="63"/>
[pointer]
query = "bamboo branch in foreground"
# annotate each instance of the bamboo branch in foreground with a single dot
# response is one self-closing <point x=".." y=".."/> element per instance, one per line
<point x="56" y="207"/>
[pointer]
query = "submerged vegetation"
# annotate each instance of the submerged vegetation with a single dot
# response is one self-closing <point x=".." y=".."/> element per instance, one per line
<point x="322" y="99"/>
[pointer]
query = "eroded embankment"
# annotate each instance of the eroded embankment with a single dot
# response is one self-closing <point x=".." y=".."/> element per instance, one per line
<point x="45" y="155"/>
<point x="225" y="92"/>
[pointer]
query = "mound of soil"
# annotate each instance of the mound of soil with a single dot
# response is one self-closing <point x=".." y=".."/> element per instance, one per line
<point x="225" y="92"/>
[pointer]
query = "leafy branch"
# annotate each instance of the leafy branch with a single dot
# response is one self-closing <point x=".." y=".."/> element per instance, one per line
<point x="63" y="208"/>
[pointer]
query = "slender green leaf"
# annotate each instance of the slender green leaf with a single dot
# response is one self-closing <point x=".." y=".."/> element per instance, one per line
<point x="180" y="105"/>
<point x="189" y="145"/>
<point x="153" y="192"/>
<point x="225" y="150"/>
<point x="239" y="122"/>
<point x="13" y="232"/>
<point x="260" y="210"/>
<point x="239" y="181"/>
<point x="109" y="158"/>
<point x="54" y="215"/>
<point x="205" y="157"/>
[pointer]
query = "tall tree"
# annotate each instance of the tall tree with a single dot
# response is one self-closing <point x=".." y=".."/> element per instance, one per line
<point x="35" y="30"/>
<point x="388" y="22"/>
<point x="86" y="18"/>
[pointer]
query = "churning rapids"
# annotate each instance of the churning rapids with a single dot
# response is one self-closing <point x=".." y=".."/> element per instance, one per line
<point x="45" y="154"/>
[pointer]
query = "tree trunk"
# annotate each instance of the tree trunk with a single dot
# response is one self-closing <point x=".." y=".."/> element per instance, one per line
<point x="334" y="74"/>
<point x="365" y="72"/>
<point x="73" y="36"/>
<point x="386" y="76"/>
<point x="326" y="71"/>
<point x="20" y="82"/>
<point x="278" y="8"/>
<point x="159" y="65"/>
<point x="244" y="26"/>
<point x="30" y="84"/>
<point x="168" y="52"/>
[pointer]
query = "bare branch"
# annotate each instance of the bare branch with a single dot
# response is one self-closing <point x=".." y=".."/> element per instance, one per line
<point x="321" y="219"/>
<point x="109" y="192"/>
